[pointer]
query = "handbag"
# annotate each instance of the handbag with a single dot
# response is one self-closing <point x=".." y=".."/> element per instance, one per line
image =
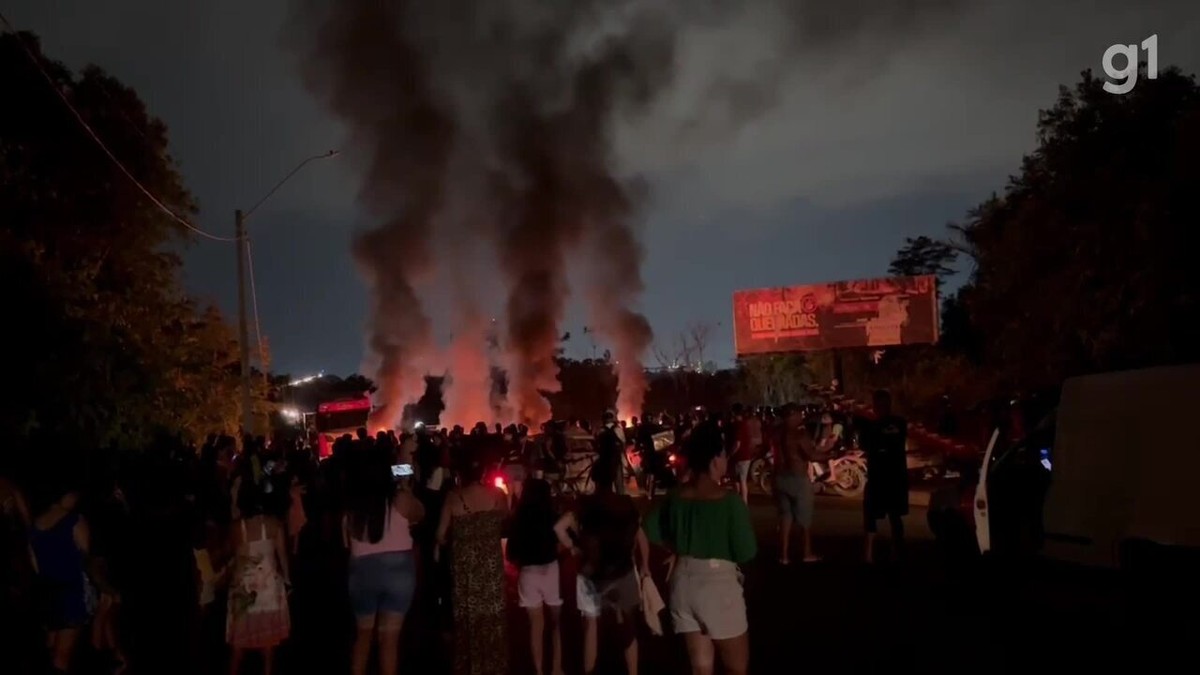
<point x="652" y="604"/>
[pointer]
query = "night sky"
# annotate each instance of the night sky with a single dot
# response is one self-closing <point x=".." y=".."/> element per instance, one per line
<point x="891" y="132"/>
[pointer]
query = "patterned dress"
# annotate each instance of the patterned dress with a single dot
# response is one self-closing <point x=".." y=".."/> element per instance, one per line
<point x="477" y="570"/>
<point x="258" y="615"/>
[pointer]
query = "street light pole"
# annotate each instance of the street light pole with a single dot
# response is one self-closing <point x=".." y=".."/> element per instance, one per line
<point x="242" y="245"/>
<point x="243" y="330"/>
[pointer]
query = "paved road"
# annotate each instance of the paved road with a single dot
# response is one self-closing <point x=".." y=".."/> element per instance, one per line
<point x="839" y="615"/>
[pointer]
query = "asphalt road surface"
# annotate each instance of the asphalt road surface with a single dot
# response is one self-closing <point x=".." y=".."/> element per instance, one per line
<point x="929" y="614"/>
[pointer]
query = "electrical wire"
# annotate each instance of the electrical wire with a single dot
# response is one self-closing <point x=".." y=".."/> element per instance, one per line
<point x="262" y="352"/>
<point x="163" y="207"/>
<point x="86" y="127"/>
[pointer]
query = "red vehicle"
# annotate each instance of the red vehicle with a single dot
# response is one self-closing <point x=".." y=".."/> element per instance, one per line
<point x="340" y="417"/>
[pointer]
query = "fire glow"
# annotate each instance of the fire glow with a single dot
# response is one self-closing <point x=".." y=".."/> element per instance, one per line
<point x="486" y="148"/>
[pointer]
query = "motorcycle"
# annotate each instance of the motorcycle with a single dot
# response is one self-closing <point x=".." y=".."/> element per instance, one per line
<point x="845" y="475"/>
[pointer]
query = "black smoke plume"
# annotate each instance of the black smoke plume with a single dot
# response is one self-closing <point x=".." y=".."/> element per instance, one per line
<point x="518" y="99"/>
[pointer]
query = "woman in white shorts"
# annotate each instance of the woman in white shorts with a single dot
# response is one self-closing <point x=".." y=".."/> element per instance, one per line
<point x="708" y="530"/>
<point x="533" y="548"/>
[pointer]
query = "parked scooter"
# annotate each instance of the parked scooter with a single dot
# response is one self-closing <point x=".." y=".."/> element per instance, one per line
<point x="844" y="475"/>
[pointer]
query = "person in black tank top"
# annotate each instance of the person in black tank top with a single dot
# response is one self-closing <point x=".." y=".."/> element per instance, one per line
<point x="605" y="531"/>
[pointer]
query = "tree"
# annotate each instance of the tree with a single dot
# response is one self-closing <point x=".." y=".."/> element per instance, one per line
<point x="774" y="379"/>
<point x="674" y="355"/>
<point x="698" y="335"/>
<point x="958" y="334"/>
<point x="1084" y="264"/>
<point x="589" y="387"/>
<point x="686" y="351"/>
<point x="202" y="369"/>
<point x="358" y="383"/>
<point x="109" y="348"/>
<point x="924" y="256"/>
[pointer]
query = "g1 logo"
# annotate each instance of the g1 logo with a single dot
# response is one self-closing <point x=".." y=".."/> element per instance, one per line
<point x="1125" y="79"/>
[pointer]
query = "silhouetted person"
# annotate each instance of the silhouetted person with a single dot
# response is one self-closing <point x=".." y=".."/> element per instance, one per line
<point x="605" y="532"/>
<point x="884" y="441"/>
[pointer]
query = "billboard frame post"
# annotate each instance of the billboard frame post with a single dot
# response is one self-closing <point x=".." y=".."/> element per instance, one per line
<point x="839" y="381"/>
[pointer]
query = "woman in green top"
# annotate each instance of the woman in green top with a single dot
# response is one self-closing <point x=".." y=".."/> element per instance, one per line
<point x="707" y="529"/>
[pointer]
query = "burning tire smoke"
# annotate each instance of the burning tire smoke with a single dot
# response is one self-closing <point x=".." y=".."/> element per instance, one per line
<point x="517" y="99"/>
<point x="531" y="89"/>
<point x="373" y="79"/>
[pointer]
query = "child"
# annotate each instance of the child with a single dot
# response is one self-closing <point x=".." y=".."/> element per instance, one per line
<point x="211" y="568"/>
<point x="296" y="518"/>
<point x="209" y="554"/>
<point x="258" y="616"/>
<point x="533" y="548"/>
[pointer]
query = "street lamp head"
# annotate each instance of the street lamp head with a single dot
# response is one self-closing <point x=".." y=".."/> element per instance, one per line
<point x="293" y="172"/>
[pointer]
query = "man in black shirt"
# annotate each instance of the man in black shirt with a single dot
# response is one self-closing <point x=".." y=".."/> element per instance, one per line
<point x="884" y="440"/>
<point x="610" y="451"/>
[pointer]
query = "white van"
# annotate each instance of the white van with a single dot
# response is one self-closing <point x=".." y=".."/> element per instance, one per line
<point x="1125" y="465"/>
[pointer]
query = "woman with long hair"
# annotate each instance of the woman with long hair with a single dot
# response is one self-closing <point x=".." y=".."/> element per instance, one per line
<point x="708" y="530"/>
<point x="383" y="570"/>
<point x="60" y="541"/>
<point x="604" y="532"/>
<point x="248" y="470"/>
<point x="471" y="522"/>
<point x="533" y="548"/>
<point x="17" y="597"/>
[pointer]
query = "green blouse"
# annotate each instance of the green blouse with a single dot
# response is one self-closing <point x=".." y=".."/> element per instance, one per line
<point x="704" y="528"/>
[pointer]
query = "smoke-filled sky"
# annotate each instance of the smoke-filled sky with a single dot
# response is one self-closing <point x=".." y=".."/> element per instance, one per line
<point x="787" y="142"/>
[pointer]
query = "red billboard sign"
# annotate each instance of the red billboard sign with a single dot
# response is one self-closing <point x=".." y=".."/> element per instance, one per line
<point x="844" y="314"/>
<point x="363" y="403"/>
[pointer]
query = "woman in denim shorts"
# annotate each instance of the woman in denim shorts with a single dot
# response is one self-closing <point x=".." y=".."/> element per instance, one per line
<point x="383" y="571"/>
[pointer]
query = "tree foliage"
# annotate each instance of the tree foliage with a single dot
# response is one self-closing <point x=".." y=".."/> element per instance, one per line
<point x="105" y="345"/>
<point x="924" y="256"/>
<point x="774" y="379"/>
<point x="1082" y="265"/>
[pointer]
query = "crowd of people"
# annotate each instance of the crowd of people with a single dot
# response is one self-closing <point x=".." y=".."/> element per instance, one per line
<point x="422" y="530"/>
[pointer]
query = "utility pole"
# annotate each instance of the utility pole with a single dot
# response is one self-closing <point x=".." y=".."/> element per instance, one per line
<point x="243" y="331"/>
<point x="243" y="246"/>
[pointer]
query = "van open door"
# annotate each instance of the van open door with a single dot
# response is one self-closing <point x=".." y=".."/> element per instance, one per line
<point x="983" y="533"/>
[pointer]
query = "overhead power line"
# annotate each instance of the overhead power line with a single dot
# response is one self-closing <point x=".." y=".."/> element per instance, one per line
<point x="95" y="137"/>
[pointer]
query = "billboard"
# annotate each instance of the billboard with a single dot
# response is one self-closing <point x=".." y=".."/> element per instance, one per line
<point x="844" y="314"/>
<point x="360" y="403"/>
